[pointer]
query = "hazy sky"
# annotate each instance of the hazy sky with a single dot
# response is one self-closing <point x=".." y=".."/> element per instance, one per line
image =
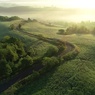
<point x="75" y="10"/>
<point x="90" y="4"/>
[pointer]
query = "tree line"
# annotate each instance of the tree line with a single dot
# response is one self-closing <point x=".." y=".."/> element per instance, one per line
<point x="6" y="18"/>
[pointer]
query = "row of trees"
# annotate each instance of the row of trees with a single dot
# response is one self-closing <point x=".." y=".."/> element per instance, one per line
<point x="77" y="30"/>
<point x="6" y="18"/>
<point x="74" y="29"/>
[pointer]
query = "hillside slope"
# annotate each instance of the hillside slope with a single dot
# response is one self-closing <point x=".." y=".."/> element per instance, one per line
<point x="74" y="77"/>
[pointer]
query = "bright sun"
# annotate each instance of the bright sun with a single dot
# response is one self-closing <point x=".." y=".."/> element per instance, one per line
<point x="88" y="4"/>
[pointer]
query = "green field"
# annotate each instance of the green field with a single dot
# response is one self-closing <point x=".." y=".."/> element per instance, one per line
<point x="73" y="77"/>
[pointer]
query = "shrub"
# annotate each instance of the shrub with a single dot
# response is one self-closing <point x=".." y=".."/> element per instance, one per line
<point x="26" y="62"/>
<point x="49" y="62"/>
<point x="52" y="51"/>
<point x="5" y="69"/>
<point x="61" y="31"/>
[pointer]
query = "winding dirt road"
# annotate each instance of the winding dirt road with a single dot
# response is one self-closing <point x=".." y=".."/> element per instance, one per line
<point x="5" y="85"/>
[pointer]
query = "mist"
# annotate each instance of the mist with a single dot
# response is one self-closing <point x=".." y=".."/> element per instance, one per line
<point x="50" y="13"/>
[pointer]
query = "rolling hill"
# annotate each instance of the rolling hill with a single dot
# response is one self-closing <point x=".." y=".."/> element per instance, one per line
<point x="73" y="77"/>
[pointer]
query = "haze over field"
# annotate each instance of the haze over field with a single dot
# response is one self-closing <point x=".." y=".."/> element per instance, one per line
<point x="47" y="47"/>
<point x="68" y="10"/>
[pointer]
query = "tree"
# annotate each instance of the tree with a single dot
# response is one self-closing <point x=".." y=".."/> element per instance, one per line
<point x="77" y="30"/>
<point x="93" y="31"/>
<point x="71" y="30"/>
<point x="52" y="51"/>
<point x="14" y="18"/>
<point x="49" y="62"/>
<point x="31" y="52"/>
<point x="26" y="62"/>
<point x="61" y="31"/>
<point x="11" y="54"/>
<point x="12" y="26"/>
<point x="19" y="26"/>
<point x="5" y="69"/>
<point x="82" y="30"/>
<point x="29" y="19"/>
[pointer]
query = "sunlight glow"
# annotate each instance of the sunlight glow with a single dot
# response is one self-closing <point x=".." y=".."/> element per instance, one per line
<point x="88" y="4"/>
<point x="75" y="10"/>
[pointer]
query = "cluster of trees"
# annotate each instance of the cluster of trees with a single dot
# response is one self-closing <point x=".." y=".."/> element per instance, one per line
<point x="77" y="30"/>
<point x="13" y="26"/>
<point x="50" y="62"/>
<point x="6" y="18"/>
<point x="13" y="56"/>
<point x="52" y="51"/>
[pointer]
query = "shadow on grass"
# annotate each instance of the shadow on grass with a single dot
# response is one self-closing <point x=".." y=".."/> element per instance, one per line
<point x="4" y="30"/>
<point x="37" y="84"/>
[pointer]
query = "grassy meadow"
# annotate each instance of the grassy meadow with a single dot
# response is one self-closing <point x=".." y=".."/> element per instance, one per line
<point x="73" y="77"/>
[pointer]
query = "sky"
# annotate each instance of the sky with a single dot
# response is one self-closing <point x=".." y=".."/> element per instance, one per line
<point x="86" y="4"/>
<point x="75" y="10"/>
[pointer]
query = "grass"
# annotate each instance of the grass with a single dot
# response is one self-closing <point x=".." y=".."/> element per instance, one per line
<point x="38" y="28"/>
<point x="73" y="77"/>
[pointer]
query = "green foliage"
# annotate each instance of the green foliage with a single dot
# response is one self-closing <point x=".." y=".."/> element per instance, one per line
<point x="5" y="18"/>
<point x="19" y="26"/>
<point x="77" y="30"/>
<point x="9" y="55"/>
<point x="49" y="62"/>
<point x="31" y="52"/>
<point x="14" y="18"/>
<point x="52" y="51"/>
<point x="12" y="54"/>
<point x="61" y="31"/>
<point x="93" y="31"/>
<point x="26" y="62"/>
<point x="74" y="77"/>
<point x="12" y="27"/>
<point x="5" y="69"/>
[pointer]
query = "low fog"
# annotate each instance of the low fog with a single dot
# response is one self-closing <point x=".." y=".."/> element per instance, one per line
<point x="50" y="13"/>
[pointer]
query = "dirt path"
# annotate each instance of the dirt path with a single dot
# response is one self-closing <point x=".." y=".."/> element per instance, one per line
<point x="36" y="67"/>
<point x="69" y="47"/>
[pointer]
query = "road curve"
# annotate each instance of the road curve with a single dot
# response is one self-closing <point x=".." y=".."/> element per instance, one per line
<point x="5" y="85"/>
